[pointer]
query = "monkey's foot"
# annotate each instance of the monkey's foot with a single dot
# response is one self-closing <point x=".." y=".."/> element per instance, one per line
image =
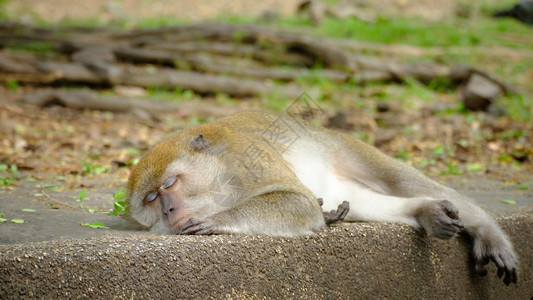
<point x="197" y="227"/>
<point x="338" y="215"/>
<point x="439" y="218"/>
<point x="490" y="246"/>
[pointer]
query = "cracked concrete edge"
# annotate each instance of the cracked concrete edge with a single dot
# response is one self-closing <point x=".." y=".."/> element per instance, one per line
<point x="360" y="260"/>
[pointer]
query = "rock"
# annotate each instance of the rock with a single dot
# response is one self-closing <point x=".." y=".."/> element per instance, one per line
<point x="479" y="92"/>
<point x="497" y="111"/>
<point x="347" y="9"/>
<point x="382" y="107"/>
<point x="338" y="120"/>
<point x="523" y="12"/>
<point x="315" y="10"/>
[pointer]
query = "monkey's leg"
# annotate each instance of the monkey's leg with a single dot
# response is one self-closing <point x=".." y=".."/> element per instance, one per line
<point x="370" y="169"/>
<point x="276" y="213"/>
<point x="442" y="218"/>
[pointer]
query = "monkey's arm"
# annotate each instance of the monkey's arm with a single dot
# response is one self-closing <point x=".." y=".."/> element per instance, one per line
<point x="276" y="213"/>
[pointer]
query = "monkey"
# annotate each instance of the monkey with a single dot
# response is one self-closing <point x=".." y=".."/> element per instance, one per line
<point x="260" y="173"/>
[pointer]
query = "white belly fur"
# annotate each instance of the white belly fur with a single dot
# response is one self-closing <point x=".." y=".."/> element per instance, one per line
<point x="314" y="169"/>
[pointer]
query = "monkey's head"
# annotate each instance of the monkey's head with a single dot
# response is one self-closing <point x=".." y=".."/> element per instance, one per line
<point x="173" y="183"/>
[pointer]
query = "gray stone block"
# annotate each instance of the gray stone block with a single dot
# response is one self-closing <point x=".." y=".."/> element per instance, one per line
<point x="361" y="261"/>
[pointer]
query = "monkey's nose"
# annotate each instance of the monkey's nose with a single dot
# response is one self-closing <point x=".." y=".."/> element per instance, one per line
<point x="167" y="205"/>
<point x="169" y="211"/>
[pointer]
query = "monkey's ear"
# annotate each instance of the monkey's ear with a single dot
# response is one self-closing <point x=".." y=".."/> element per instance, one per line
<point x="199" y="143"/>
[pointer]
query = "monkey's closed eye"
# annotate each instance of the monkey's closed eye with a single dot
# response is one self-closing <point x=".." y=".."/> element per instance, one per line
<point x="151" y="197"/>
<point x="169" y="183"/>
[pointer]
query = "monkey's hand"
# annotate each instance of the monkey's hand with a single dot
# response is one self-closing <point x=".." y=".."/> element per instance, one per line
<point x="198" y="227"/>
<point x="489" y="245"/>
<point x="335" y="216"/>
<point x="439" y="218"/>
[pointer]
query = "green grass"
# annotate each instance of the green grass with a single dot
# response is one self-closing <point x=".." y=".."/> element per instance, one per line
<point x="519" y="107"/>
<point x="157" y="22"/>
<point x="173" y="95"/>
<point x="413" y="31"/>
<point x="31" y="46"/>
<point x="3" y="14"/>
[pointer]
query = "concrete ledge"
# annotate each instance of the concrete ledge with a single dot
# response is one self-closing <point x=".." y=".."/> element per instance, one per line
<point x="363" y="260"/>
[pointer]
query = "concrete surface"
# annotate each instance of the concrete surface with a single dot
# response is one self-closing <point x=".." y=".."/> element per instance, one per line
<point x="51" y="256"/>
<point x="46" y="223"/>
<point x="362" y="260"/>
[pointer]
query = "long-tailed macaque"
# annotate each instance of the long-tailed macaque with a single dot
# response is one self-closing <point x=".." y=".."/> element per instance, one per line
<point x="256" y="172"/>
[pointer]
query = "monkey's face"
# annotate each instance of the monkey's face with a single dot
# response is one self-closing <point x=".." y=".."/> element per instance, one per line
<point x="169" y="186"/>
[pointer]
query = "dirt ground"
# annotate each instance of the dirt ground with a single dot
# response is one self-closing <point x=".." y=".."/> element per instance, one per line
<point x="105" y="10"/>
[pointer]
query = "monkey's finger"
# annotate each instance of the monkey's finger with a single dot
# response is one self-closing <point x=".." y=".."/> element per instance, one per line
<point x="499" y="263"/>
<point x="191" y="227"/>
<point x="510" y="273"/>
<point x="452" y="225"/>
<point x="450" y="209"/>
<point x="501" y="271"/>
<point x="481" y="270"/>
<point x="510" y="277"/>
<point x="343" y="215"/>
<point x="206" y="231"/>
<point x="190" y="222"/>
<point x="480" y="267"/>
<point x="485" y="260"/>
<point x="320" y="201"/>
<point x="446" y="234"/>
<point x="341" y="211"/>
<point x="458" y="223"/>
<point x="345" y="208"/>
<point x="199" y="227"/>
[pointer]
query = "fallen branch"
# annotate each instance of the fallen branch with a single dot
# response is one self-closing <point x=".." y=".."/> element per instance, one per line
<point x="84" y="99"/>
<point x="203" y="83"/>
<point x="110" y="74"/>
<point x="266" y="56"/>
<point x="408" y="50"/>
<point x="208" y="64"/>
